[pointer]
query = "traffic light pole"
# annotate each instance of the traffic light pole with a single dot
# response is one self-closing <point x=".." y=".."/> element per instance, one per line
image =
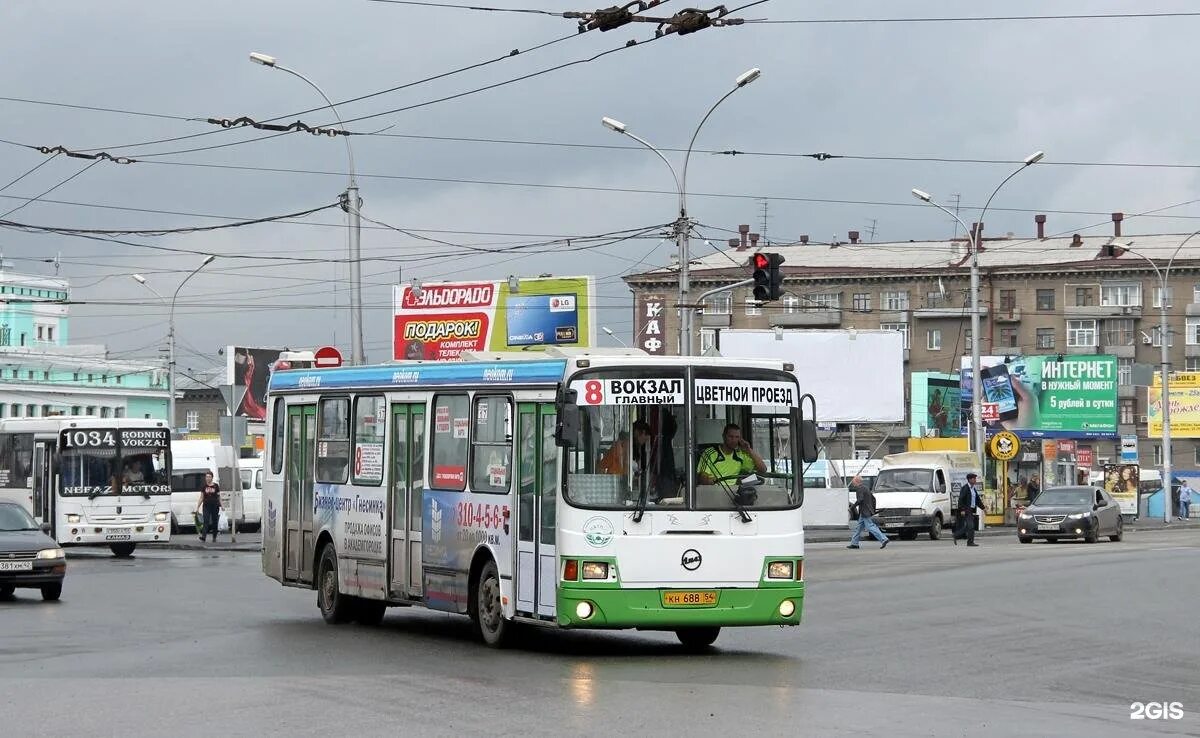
<point x="682" y="226"/>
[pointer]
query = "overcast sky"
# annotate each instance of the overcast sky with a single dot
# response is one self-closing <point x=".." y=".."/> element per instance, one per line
<point x="1082" y="90"/>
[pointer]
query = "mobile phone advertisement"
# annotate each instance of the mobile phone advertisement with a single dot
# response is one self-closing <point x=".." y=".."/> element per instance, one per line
<point x="1045" y="396"/>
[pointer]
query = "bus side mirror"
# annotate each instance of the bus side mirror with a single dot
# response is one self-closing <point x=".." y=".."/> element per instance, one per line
<point x="809" y="445"/>
<point x="566" y="426"/>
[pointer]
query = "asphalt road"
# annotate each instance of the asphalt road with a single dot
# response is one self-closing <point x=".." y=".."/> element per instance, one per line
<point x="923" y="638"/>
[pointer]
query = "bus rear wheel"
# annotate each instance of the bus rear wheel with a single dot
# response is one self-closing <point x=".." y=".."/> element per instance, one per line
<point x="695" y="639"/>
<point x="486" y="611"/>
<point x="122" y="550"/>
<point x="335" y="607"/>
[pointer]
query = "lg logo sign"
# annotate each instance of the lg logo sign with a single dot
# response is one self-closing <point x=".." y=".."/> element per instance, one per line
<point x="1156" y="711"/>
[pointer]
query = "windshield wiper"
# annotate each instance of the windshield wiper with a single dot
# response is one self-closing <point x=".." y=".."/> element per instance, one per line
<point x="733" y="496"/>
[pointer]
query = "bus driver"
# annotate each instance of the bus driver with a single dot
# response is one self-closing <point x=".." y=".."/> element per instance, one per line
<point x="731" y="460"/>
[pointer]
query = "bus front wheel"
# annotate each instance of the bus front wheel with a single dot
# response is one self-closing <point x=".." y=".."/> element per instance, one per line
<point x="336" y="608"/>
<point x="486" y="611"/>
<point x="122" y="550"/>
<point x="697" y="638"/>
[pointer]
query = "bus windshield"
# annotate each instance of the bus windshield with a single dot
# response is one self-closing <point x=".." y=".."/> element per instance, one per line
<point x="114" y="462"/>
<point x="631" y="450"/>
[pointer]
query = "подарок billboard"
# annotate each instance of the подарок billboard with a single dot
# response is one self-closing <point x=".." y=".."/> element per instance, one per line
<point x="1045" y="396"/>
<point x="445" y="319"/>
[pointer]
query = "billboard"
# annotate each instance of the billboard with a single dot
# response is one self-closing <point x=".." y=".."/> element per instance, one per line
<point x="441" y="321"/>
<point x="249" y="371"/>
<point x="1045" y="396"/>
<point x="1121" y="481"/>
<point x="935" y="405"/>
<point x="1185" y="406"/>
<point x="855" y="376"/>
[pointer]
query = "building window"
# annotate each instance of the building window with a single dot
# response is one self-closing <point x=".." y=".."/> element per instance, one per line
<point x="104" y="412"/>
<point x="1125" y="372"/>
<point x="91" y="410"/>
<point x="1081" y="333"/>
<point x="14" y="411"/>
<point x="933" y="339"/>
<point x="41" y="331"/>
<point x="1196" y="293"/>
<point x="117" y="379"/>
<point x="77" y="410"/>
<point x="91" y="377"/>
<point x="50" y="333"/>
<point x="1158" y="297"/>
<point x="1008" y="301"/>
<point x="118" y="412"/>
<point x="933" y="299"/>
<point x="791" y="303"/>
<point x="1045" y="338"/>
<point x="1156" y="336"/>
<point x="708" y="339"/>
<point x="901" y="327"/>
<point x="752" y="307"/>
<point x="1045" y="301"/>
<point x="1192" y="364"/>
<point x="719" y="305"/>
<point x="966" y="336"/>
<point x="45" y="411"/>
<point x="1118" y="332"/>
<point x="824" y="300"/>
<point x="193" y="420"/>
<point x="862" y="301"/>
<point x="1121" y="295"/>
<point x="1128" y="408"/>
<point x="895" y="300"/>
<point x="104" y="379"/>
<point x="1193" y="332"/>
<point x="1083" y="296"/>
<point x="1158" y="457"/>
<point x="45" y="376"/>
<point x="1008" y="338"/>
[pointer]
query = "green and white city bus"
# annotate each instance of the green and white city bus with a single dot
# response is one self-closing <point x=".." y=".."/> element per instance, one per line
<point x="579" y="490"/>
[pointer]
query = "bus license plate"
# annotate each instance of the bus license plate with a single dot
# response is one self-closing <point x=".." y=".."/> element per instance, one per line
<point x="118" y="535"/>
<point x="706" y="598"/>
<point x="16" y="565"/>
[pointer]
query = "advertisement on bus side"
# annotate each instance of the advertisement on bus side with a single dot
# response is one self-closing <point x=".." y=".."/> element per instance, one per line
<point x="441" y="321"/>
<point x="355" y="517"/>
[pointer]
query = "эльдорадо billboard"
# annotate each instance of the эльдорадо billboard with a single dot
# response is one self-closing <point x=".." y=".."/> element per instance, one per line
<point x="1045" y="396"/>
<point x="445" y="319"/>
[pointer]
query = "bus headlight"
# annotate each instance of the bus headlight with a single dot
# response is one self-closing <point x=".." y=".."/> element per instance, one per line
<point x="161" y="516"/>
<point x="787" y="608"/>
<point x="595" y="570"/>
<point x="51" y="553"/>
<point x="583" y="610"/>
<point x="71" y="519"/>
<point x="780" y="570"/>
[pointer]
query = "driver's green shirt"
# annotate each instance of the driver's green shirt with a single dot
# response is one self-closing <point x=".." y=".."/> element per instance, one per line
<point x="714" y="462"/>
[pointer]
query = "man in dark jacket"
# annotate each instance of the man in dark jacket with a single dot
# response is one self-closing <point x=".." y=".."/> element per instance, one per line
<point x="864" y="504"/>
<point x="968" y="501"/>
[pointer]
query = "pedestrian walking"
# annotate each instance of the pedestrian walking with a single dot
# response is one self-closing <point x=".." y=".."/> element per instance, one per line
<point x="864" y="506"/>
<point x="1185" y="500"/>
<point x="969" y="501"/>
<point x="1034" y="488"/>
<point x="209" y="507"/>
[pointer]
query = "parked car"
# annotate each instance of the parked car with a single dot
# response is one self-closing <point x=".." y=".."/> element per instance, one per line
<point x="28" y="557"/>
<point x="1071" y="512"/>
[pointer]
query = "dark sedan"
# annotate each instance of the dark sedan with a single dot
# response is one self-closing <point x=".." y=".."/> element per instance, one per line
<point x="1071" y="512"/>
<point x="28" y="557"/>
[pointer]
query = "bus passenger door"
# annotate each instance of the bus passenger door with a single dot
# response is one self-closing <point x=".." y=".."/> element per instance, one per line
<point x="298" y="478"/>
<point x="407" y="481"/>
<point x="537" y="487"/>
<point x="43" y="483"/>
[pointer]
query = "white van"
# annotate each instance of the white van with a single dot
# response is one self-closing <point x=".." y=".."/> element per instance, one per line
<point x="251" y="471"/>
<point x="190" y="461"/>
<point x="915" y="491"/>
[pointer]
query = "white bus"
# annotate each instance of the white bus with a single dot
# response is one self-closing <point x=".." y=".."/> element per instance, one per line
<point x="94" y="480"/>
<point x="491" y="488"/>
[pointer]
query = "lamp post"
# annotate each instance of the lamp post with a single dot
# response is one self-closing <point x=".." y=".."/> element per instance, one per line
<point x="353" y="203"/>
<point x="171" y="335"/>
<point x="973" y="239"/>
<point x="682" y="224"/>
<point x="1164" y="336"/>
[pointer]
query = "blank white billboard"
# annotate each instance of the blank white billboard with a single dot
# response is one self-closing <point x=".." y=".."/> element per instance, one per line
<point x="855" y="376"/>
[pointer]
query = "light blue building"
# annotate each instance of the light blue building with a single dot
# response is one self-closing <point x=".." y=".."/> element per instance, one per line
<point x="41" y="374"/>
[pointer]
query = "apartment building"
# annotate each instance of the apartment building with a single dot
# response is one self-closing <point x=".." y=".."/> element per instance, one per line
<point x="1041" y="295"/>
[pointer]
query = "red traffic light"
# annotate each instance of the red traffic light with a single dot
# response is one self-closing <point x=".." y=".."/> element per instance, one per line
<point x="761" y="261"/>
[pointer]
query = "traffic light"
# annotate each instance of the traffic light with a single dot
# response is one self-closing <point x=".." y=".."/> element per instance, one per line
<point x="768" y="279"/>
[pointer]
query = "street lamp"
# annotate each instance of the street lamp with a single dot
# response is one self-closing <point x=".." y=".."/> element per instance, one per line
<point x="1164" y="275"/>
<point x="353" y="203"/>
<point x="171" y="334"/>
<point x="681" y="223"/>
<point x="613" y="336"/>
<point x="973" y="240"/>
